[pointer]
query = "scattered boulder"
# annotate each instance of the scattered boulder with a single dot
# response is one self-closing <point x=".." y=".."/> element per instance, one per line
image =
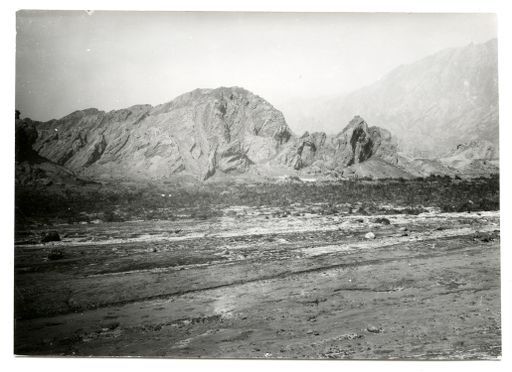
<point x="370" y="235"/>
<point x="484" y="237"/>
<point x="109" y="326"/>
<point x="382" y="220"/>
<point x="374" y="329"/>
<point x="50" y="236"/>
<point x="350" y="336"/>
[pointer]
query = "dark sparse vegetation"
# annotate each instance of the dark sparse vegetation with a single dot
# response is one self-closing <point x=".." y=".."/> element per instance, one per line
<point x="162" y="201"/>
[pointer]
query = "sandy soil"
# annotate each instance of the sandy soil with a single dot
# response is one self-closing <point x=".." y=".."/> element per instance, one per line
<point x="259" y="286"/>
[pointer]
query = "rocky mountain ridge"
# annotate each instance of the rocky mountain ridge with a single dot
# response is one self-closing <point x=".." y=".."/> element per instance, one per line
<point x="198" y="133"/>
<point x="212" y="133"/>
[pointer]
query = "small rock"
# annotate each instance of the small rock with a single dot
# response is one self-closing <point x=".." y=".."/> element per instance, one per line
<point x="483" y="237"/>
<point x="403" y="229"/>
<point x="109" y="326"/>
<point x="72" y="303"/>
<point x="374" y="329"/>
<point x="370" y="235"/>
<point x="50" y="236"/>
<point x="382" y="220"/>
<point x="55" y="254"/>
<point x="350" y="336"/>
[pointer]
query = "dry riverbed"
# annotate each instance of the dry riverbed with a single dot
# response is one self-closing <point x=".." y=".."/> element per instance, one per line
<point x="254" y="284"/>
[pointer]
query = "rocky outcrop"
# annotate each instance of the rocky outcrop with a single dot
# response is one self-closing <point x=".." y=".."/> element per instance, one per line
<point x="360" y="143"/>
<point x="319" y="153"/>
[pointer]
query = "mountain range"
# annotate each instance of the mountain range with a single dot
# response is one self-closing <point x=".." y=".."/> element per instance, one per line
<point x="430" y="106"/>
<point x="436" y="116"/>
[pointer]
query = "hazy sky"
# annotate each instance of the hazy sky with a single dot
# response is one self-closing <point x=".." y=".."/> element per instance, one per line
<point x="67" y="61"/>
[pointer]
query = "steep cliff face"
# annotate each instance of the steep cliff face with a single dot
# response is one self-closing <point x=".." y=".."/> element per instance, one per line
<point x="196" y="134"/>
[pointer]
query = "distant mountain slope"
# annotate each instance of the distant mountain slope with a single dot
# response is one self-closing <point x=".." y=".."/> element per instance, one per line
<point x="432" y="105"/>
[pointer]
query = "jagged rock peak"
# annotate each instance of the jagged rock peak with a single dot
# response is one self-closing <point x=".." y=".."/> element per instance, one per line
<point x="356" y="122"/>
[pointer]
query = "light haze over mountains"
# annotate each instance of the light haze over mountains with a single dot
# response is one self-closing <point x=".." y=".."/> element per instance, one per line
<point x="273" y="103"/>
<point x="71" y="60"/>
<point x="436" y="116"/>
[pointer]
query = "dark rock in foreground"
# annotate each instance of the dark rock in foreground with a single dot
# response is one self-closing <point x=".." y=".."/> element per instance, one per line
<point x="50" y="236"/>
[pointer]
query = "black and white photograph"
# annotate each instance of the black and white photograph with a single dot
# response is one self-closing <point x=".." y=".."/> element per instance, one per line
<point x="257" y="185"/>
